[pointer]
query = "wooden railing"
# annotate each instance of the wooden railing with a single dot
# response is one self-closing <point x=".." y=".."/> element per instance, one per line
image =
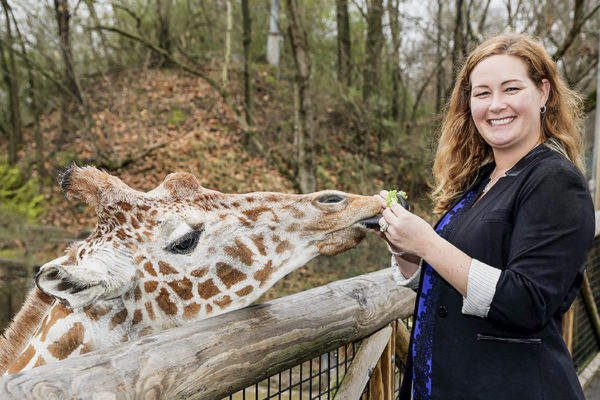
<point x="216" y="357"/>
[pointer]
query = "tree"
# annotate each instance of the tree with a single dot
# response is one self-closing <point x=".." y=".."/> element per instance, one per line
<point x="373" y="47"/>
<point x="247" y="41"/>
<point x="344" y="58"/>
<point x="63" y="16"/>
<point x="273" y="37"/>
<point x="227" y="43"/>
<point x="10" y="73"/>
<point x="303" y="109"/>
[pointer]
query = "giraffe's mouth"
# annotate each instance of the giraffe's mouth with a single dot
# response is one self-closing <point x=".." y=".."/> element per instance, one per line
<point x="373" y="222"/>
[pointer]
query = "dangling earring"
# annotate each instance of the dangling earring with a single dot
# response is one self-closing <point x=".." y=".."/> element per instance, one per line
<point x="543" y="110"/>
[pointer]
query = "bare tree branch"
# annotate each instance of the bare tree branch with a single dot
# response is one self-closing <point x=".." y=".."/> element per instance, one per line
<point x="578" y="21"/>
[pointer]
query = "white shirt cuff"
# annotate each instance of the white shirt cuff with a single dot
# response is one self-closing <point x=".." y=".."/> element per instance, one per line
<point x="401" y="280"/>
<point x="481" y="288"/>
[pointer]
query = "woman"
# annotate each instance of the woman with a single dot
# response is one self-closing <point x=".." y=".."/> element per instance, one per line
<point x="506" y="260"/>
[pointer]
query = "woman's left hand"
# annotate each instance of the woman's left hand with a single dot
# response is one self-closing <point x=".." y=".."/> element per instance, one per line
<point x="406" y="231"/>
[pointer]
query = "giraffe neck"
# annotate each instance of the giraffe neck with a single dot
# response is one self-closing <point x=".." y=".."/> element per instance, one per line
<point x="61" y="333"/>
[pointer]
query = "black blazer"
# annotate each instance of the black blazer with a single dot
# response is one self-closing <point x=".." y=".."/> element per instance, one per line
<point x="536" y="225"/>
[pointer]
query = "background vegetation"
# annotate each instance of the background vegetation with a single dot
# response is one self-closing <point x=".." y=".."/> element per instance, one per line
<point x="147" y="87"/>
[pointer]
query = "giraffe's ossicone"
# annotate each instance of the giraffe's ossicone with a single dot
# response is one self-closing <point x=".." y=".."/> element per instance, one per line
<point x="175" y="254"/>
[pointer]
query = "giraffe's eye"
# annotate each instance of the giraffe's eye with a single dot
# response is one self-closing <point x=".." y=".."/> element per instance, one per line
<point x="186" y="244"/>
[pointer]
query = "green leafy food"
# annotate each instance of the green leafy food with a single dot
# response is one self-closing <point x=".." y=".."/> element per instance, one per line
<point x="392" y="197"/>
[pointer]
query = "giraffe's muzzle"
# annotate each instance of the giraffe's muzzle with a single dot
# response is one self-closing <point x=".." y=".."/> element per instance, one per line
<point x="373" y="222"/>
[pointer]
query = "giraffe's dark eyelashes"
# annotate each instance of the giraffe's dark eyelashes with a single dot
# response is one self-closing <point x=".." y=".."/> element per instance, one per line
<point x="185" y="244"/>
<point x="330" y="199"/>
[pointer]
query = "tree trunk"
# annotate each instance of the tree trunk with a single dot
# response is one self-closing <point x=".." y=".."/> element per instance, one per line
<point x="12" y="84"/>
<point x="373" y="47"/>
<point x="396" y="73"/>
<point x="247" y="27"/>
<point x="306" y="157"/>
<point x="35" y="109"/>
<point x="457" y="45"/>
<point x="273" y="38"/>
<point x="344" y="61"/>
<point x="439" y="84"/>
<point x="92" y="9"/>
<point x="163" y="31"/>
<point x="63" y="16"/>
<point x="227" y="43"/>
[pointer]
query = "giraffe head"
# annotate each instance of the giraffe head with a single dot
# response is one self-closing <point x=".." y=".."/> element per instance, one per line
<point x="182" y="252"/>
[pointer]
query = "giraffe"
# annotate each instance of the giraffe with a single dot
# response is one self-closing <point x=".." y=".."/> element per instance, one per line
<point x="163" y="258"/>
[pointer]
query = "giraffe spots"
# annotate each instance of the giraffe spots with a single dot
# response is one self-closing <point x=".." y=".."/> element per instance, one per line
<point x="224" y="302"/>
<point x="40" y="361"/>
<point x="88" y="346"/>
<point x="229" y="275"/>
<point x="124" y="206"/>
<point x="22" y="361"/>
<point x="240" y="251"/>
<point x="137" y="293"/>
<point x="139" y="217"/>
<point x="165" y="268"/>
<point x="263" y="274"/>
<point x="68" y="342"/>
<point x="122" y="235"/>
<point x="71" y="257"/>
<point x="208" y="289"/>
<point x="182" y="287"/>
<point x="148" y="268"/>
<point x="250" y="199"/>
<point x="138" y="259"/>
<point x="294" y="227"/>
<point x="245" y="291"/>
<point x="199" y="272"/>
<point x="135" y="224"/>
<point x="81" y="254"/>
<point x="259" y="242"/>
<point x="191" y="310"/>
<point x="150" y="310"/>
<point x="283" y="246"/>
<point x="118" y="319"/>
<point x="143" y="207"/>
<point x="150" y="286"/>
<point x="245" y="222"/>
<point x="209" y="309"/>
<point x="137" y="317"/>
<point x="95" y="312"/>
<point x="58" y="312"/>
<point x="146" y="331"/>
<point x="121" y="218"/>
<point x="165" y="303"/>
<point x="254" y="213"/>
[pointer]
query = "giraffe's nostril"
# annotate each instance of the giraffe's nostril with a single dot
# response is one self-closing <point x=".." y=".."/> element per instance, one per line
<point x="330" y="199"/>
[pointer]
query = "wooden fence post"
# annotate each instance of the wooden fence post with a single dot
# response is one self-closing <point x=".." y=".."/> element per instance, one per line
<point x="590" y="305"/>
<point x="567" y="327"/>
<point x="381" y="384"/>
<point x="363" y="365"/>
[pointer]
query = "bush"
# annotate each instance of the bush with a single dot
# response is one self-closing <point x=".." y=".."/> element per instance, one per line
<point x="19" y="194"/>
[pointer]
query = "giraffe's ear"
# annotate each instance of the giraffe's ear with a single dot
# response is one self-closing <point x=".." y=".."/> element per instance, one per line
<point x="72" y="286"/>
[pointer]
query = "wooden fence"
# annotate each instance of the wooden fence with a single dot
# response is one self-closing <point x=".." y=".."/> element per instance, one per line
<point x="214" y="358"/>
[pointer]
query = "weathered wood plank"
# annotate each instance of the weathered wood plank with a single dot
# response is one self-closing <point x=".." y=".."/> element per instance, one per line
<point x="212" y="358"/>
<point x="363" y="364"/>
<point x="381" y="384"/>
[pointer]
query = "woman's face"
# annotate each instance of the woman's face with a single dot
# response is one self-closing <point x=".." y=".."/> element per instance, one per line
<point x="506" y="103"/>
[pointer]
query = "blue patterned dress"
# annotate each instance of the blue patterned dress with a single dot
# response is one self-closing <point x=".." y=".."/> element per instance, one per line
<point x="424" y="315"/>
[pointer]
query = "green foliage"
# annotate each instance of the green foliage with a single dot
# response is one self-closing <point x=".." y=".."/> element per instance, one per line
<point x="176" y="117"/>
<point x="19" y="195"/>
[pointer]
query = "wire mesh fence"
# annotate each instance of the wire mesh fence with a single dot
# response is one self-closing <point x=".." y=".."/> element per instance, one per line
<point x="585" y="342"/>
<point x="318" y="378"/>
